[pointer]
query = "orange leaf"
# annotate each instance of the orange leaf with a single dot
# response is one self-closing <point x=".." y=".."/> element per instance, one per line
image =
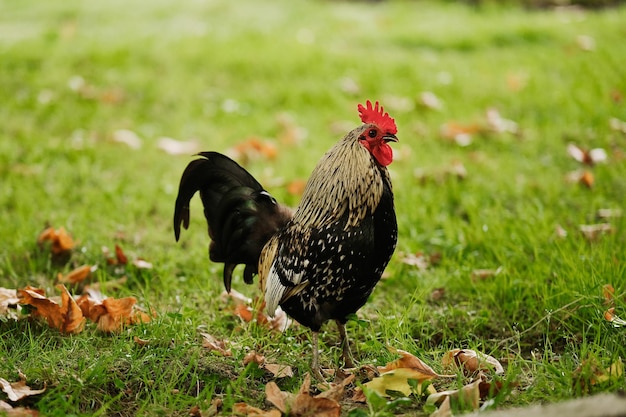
<point x="408" y="360"/>
<point x="472" y="361"/>
<point x="119" y="254"/>
<point x="60" y="240"/>
<point x="67" y="317"/>
<point x="252" y="356"/>
<point x="73" y="319"/>
<point x="211" y="343"/>
<point x="77" y="275"/>
<point x="18" y="390"/>
<point x="44" y="307"/>
<point x="609" y="294"/>
<point x="244" y="312"/>
<point x="296" y="187"/>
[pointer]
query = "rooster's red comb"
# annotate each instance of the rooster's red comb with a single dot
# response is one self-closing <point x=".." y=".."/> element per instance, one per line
<point x="377" y="116"/>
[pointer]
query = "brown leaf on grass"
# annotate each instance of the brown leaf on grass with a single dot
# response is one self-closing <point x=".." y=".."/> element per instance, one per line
<point x="336" y="391"/>
<point x="444" y="409"/>
<point x="17" y="391"/>
<point x="418" y="260"/>
<point x="112" y="314"/>
<point x="127" y="137"/>
<point x="142" y="264"/>
<point x="8" y="298"/>
<point x="243" y="409"/>
<point x="278" y="398"/>
<point x="499" y="124"/>
<point x="120" y="255"/>
<point x="67" y="317"/>
<point x="483" y="274"/>
<point x="459" y="133"/>
<point x="587" y="157"/>
<point x="60" y="241"/>
<point x="177" y="147"/>
<point x="582" y="177"/>
<point x="609" y="213"/>
<point x="395" y="375"/>
<point x="302" y="403"/>
<point x="408" y="360"/>
<point x="430" y="101"/>
<point x="468" y="395"/>
<point x="141" y="342"/>
<point x="210" y="342"/>
<point x="77" y="275"/>
<point x="253" y="356"/>
<point x="254" y="148"/>
<point x="608" y="292"/>
<point x="471" y="361"/>
<point x="609" y="315"/>
<point x="398" y="380"/>
<point x="278" y="370"/>
<point x="236" y="297"/>
<point x="592" y="232"/>
<point x="296" y="187"/>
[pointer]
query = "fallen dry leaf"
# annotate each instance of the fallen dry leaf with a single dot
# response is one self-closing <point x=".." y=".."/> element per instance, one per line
<point x="8" y="298"/>
<point x="280" y="399"/>
<point x="609" y="213"/>
<point x="253" y="356"/>
<point x="120" y="255"/>
<point x="141" y="342"/>
<point x="60" y="241"/>
<point x="111" y="314"/>
<point x="469" y="395"/>
<point x="244" y="409"/>
<point x="459" y="133"/>
<point x="302" y="403"/>
<point x="296" y="187"/>
<point x="127" y="137"/>
<point x="429" y="100"/>
<point x="608" y="292"/>
<point x="588" y="157"/>
<point x="444" y="409"/>
<point x="582" y="177"/>
<point x="482" y="274"/>
<point x="408" y="360"/>
<point x="177" y="147"/>
<point x="472" y="361"/>
<point x="278" y="370"/>
<point x="616" y="321"/>
<point x="67" y="317"/>
<point x="213" y="344"/>
<point x="18" y="390"/>
<point x="398" y="380"/>
<point x="499" y="124"/>
<point x="593" y="231"/>
<point x="77" y="275"/>
<point x="254" y="148"/>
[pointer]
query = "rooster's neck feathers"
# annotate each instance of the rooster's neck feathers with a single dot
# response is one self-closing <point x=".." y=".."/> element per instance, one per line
<point x="359" y="191"/>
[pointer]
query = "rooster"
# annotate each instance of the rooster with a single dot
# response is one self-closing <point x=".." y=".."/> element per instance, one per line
<point x="322" y="261"/>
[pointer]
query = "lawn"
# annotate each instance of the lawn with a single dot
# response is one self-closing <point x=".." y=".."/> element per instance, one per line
<point x="493" y="105"/>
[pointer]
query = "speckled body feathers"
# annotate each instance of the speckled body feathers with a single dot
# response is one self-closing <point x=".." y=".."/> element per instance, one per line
<point x="325" y="263"/>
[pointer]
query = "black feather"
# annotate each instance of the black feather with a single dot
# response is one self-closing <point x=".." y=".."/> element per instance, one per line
<point x="240" y="214"/>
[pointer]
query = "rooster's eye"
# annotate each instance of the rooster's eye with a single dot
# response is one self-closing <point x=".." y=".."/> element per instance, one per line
<point x="372" y="133"/>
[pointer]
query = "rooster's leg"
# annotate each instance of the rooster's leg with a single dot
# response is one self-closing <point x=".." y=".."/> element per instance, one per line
<point x="315" y="365"/>
<point x="345" y="345"/>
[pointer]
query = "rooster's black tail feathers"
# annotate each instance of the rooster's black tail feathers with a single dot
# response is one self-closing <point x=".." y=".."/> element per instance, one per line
<point x="241" y="215"/>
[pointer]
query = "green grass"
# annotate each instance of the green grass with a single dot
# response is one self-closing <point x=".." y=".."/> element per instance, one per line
<point x="172" y="68"/>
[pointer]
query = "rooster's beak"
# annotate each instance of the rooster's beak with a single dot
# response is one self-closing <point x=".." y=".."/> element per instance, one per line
<point x="390" y="138"/>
